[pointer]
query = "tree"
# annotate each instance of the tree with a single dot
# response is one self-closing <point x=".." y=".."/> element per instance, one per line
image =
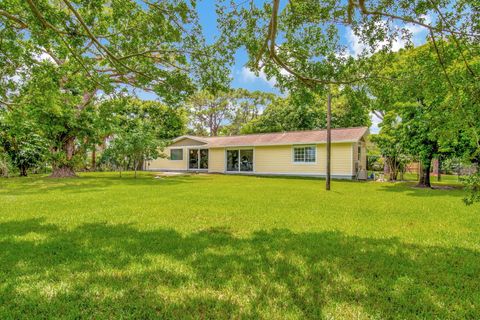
<point x="226" y="112"/>
<point x="306" y="111"/>
<point x="389" y="143"/>
<point x="302" y="39"/>
<point x="20" y="141"/>
<point x="86" y="48"/>
<point x="208" y="112"/>
<point x="426" y="115"/>
<point x="248" y="105"/>
<point x="132" y="146"/>
<point x="138" y="129"/>
<point x="472" y="186"/>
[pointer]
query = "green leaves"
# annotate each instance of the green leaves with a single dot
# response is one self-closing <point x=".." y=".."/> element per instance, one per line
<point x="472" y="186"/>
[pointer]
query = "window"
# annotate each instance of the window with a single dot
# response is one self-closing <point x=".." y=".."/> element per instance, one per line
<point x="240" y="160"/>
<point x="304" y="154"/>
<point x="359" y="152"/>
<point x="176" y="154"/>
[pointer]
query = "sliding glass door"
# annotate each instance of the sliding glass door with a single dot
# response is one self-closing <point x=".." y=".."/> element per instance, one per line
<point x="240" y="160"/>
<point x="198" y="159"/>
<point x="203" y="159"/>
<point x="193" y="159"/>
<point x="232" y="160"/>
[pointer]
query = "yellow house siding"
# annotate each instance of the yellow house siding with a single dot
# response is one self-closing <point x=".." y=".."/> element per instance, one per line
<point x="355" y="156"/>
<point x="272" y="160"/>
<point x="164" y="163"/>
<point x="279" y="159"/>
<point x="216" y="160"/>
<point x="342" y="159"/>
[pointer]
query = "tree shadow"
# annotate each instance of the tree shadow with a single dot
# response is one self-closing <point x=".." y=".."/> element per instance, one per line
<point x="86" y="184"/>
<point x="299" y="177"/>
<point x="112" y="271"/>
<point x="410" y="189"/>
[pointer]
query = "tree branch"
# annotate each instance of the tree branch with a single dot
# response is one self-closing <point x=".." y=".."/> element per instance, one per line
<point x="18" y="21"/>
<point x="432" y="36"/>
<point x="365" y="11"/>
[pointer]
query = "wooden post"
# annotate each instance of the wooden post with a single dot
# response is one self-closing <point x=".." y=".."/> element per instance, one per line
<point x="329" y="139"/>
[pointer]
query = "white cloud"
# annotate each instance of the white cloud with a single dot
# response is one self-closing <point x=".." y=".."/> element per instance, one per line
<point x="374" y="128"/>
<point x="249" y="76"/>
<point x="357" y="47"/>
<point x="43" y="57"/>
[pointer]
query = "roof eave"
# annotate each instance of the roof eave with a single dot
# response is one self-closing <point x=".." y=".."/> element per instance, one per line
<point x="277" y="144"/>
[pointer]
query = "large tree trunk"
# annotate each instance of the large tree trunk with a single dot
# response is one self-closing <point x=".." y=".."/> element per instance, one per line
<point x="65" y="170"/>
<point x="23" y="171"/>
<point x="392" y="168"/>
<point x="424" y="181"/>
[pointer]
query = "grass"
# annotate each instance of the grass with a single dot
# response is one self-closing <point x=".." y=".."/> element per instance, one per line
<point x="213" y="246"/>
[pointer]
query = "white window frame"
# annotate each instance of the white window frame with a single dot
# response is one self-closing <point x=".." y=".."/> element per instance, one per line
<point x="183" y="154"/>
<point x="304" y="146"/>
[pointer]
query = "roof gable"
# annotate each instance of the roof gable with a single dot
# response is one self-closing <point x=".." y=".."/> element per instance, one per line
<point x="187" y="141"/>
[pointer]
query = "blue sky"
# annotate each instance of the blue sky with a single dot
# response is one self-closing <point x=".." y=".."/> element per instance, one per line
<point x="243" y="78"/>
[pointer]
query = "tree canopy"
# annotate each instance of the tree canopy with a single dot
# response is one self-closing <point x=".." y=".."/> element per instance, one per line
<point x="58" y="57"/>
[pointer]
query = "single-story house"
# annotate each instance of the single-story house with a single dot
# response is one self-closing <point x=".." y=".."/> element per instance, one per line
<point x="300" y="153"/>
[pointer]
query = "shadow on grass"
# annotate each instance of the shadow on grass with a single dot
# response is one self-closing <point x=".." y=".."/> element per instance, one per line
<point x="86" y="184"/>
<point x="410" y="189"/>
<point x="110" y="271"/>
<point x="293" y="177"/>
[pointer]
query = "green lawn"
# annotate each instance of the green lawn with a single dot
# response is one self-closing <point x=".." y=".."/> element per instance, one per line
<point x="213" y="246"/>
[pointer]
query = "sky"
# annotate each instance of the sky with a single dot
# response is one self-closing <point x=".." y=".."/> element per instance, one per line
<point x="244" y="78"/>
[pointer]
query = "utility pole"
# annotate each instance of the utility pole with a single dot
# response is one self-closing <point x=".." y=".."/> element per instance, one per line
<point x="329" y="138"/>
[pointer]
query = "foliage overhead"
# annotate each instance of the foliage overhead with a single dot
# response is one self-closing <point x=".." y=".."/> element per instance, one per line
<point x="58" y="57"/>
<point x="300" y="41"/>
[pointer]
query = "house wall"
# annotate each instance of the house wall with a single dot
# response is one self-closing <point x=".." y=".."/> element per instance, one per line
<point x="164" y="163"/>
<point x="216" y="160"/>
<point x="279" y="160"/>
<point x="272" y="160"/>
